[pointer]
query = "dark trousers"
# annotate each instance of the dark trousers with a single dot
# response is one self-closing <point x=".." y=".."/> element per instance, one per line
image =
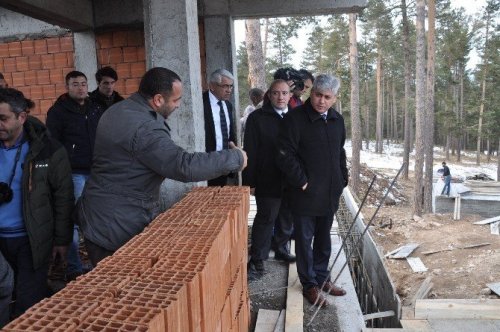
<point x="283" y="228"/>
<point x="6" y="289"/>
<point x="30" y="284"/>
<point x="312" y="261"/>
<point x="263" y="224"/>
<point x="96" y="253"/>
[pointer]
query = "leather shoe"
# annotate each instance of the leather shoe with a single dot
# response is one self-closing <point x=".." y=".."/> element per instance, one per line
<point x="331" y="289"/>
<point x="284" y="256"/>
<point x="258" y="264"/>
<point x="313" y="295"/>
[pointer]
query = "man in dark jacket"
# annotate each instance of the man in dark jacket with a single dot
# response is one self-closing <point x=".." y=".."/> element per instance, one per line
<point x="105" y="95"/>
<point x="72" y="120"/>
<point x="36" y="201"/>
<point x="133" y="155"/>
<point x="264" y="177"/>
<point x="218" y="113"/>
<point x="311" y="154"/>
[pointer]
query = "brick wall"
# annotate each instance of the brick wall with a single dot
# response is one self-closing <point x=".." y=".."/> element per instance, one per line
<point x="37" y="68"/>
<point x="124" y="51"/>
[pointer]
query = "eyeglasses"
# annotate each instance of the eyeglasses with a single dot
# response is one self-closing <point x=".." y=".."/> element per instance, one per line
<point x="226" y="86"/>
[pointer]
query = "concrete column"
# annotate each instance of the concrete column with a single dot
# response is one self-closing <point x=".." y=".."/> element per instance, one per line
<point x="172" y="41"/>
<point x="220" y="50"/>
<point x="86" y="56"/>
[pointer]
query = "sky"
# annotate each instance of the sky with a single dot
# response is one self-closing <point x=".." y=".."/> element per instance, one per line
<point x="471" y="7"/>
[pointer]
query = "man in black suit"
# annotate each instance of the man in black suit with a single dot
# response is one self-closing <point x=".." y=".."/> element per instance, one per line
<point x="218" y="112"/>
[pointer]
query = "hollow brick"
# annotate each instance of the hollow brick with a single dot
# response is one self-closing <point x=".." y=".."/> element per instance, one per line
<point x="38" y="322"/>
<point x="40" y="46"/>
<point x="9" y="65"/>
<point x="48" y="61"/>
<point x="119" y="38"/>
<point x="15" y="49"/>
<point x="98" y="324"/>
<point x="18" y="79"/>
<point x="53" y="45"/>
<point x="72" y="310"/>
<point x="152" y="318"/>
<point x="66" y="43"/>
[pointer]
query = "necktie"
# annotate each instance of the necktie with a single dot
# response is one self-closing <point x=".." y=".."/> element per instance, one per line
<point x="223" y="126"/>
<point x="324" y="116"/>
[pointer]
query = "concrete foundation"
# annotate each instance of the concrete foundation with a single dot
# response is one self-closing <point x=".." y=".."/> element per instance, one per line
<point x="484" y="206"/>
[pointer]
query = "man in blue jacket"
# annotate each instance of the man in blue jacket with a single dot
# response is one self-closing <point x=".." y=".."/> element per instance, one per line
<point x="311" y="155"/>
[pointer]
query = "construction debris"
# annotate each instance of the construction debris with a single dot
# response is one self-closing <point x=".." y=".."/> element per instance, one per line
<point x="416" y="264"/>
<point x="457" y="309"/>
<point x="424" y="290"/>
<point x="495" y="287"/>
<point x="487" y="221"/>
<point x="494" y="228"/>
<point x="403" y="252"/>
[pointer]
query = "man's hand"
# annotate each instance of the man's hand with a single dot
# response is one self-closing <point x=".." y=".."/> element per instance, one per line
<point x="60" y="251"/>
<point x="245" y="158"/>
<point x="252" y="191"/>
<point x="304" y="187"/>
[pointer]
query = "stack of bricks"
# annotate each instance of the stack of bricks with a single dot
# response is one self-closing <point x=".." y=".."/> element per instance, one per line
<point x="185" y="272"/>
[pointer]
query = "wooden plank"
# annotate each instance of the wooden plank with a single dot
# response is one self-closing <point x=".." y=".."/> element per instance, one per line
<point x="487" y="221"/>
<point x="420" y="325"/>
<point x="430" y="252"/>
<point x="416" y="264"/>
<point x="476" y="245"/>
<point x="294" y="317"/>
<point x="424" y="289"/>
<point x="405" y="251"/>
<point x="457" y="309"/>
<point x="494" y="228"/>
<point x="266" y="320"/>
<point x="280" y="325"/>
<point x="495" y="287"/>
<point x="381" y="314"/>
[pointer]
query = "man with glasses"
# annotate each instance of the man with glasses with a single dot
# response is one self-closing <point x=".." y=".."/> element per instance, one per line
<point x="218" y="112"/>
<point x="72" y="120"/>
<point x="105" y="95"/>
<point x="36" y="200"/>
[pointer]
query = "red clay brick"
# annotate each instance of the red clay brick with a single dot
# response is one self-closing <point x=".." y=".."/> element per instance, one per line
<point x="18" y="79"/>
<point x="48" y="61"/>
<point x="43" y="76"/>
<point x="60" y="60"/>
<point x="49" y="91"/>
<point x="99" y="324"/>
<point x="123" y="70"/>
<point x="120" y="86"/>
<point x="137" y="69"/>
<point x="91" y="294"/>
<point x="115" y="55"/>
<point x="135" y="38"/>
<point x="141" y="53"/>
<point x="35" y="62"/>
<point x="60" y="88"/>
<point x="131" y="85"/>
<point x="53" y="45"/>
<point x="30" y="77"/>
<point x="56" y="75"/>
<point x="153" y="318"/>
<point x="15" y="49"/>
<point x="36" y="92"/>
<point x="39" y="322"/>
<point x="119" y="38"/>
<point x="70" y="56"/>
<point x="27" y="47"/>
<point x="104" y="40"/>
<point x="103" y="56"/>
<point x="66" y="43"/>
<point x="130" y="54"/>
<point x="9" y="65"/>
<point x="4" y="50"/>
<point x="22" y="63"/>
<point x="45" y="104"/>
<point x="40" y="46"/>
<point x="25" y="90"/>
<point x="72" y="310"/>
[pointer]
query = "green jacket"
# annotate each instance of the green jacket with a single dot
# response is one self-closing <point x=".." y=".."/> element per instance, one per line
<point x="48" y="198"/>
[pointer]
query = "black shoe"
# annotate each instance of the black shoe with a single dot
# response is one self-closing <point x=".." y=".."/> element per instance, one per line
<point x="258" y="265"/>
<point x="284" y="256"/>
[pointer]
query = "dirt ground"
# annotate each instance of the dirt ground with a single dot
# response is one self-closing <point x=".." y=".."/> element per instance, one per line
<point x="457" y="273"/>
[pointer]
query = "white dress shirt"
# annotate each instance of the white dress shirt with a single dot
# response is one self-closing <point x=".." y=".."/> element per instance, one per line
<point x="216" y="116"/>
<point x="281" y="112"/>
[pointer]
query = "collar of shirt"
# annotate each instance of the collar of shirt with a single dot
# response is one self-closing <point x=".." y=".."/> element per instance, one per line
<point x="281" y="112"/>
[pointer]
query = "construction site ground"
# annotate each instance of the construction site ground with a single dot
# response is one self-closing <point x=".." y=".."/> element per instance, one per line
<point x="456" y="273"/>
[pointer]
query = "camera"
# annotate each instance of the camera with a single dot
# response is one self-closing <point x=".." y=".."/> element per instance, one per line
<point x="6" y="193"/>
<point x="290" y="74"/>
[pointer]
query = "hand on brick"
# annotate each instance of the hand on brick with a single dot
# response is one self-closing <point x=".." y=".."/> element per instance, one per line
<point x="233" y="146"/>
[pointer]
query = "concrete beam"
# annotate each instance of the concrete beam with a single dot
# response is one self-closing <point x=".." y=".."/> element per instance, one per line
<point x="76" y="15"/>
<point x="273" y="8"/>
<point x="110" y="13"/>
<point x="86" y="56"/>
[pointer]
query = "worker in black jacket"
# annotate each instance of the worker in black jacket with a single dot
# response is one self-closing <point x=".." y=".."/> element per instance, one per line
<point x="311" y="154"/>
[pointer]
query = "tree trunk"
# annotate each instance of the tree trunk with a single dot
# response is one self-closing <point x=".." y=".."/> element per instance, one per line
<point x="367" y="116"/>
<point x="256" y="61"/>
<point x="429" y="109"/>
<point x="420" y="107"/>
<point x="498" y="161"/>
<point x="266" y="35"/>
<point x="378" y="131"/>
<point x="483" y="93"/>
<point x="407" y="121"/>
<point x="394" y="113"/>
<point x="460" y="114"/>
<point x="355" y="116"/>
